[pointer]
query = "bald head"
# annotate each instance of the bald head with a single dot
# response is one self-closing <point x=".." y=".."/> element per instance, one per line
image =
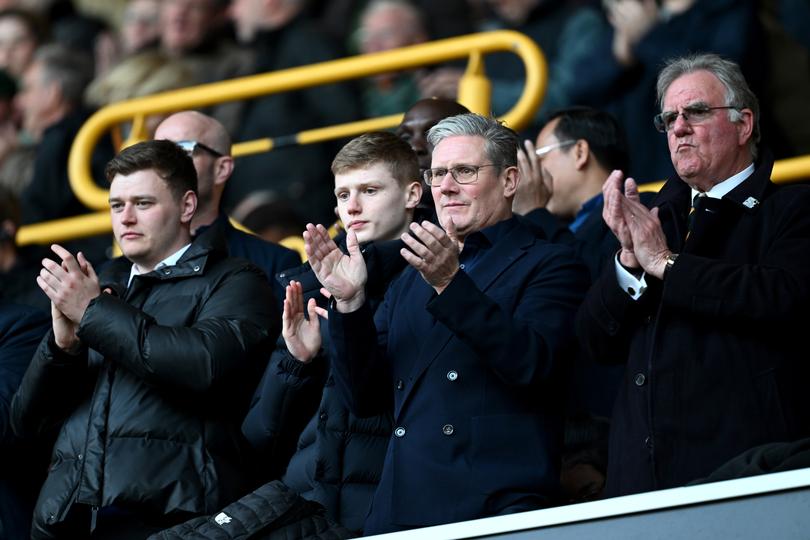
<point x="212" y="157"/>
<point x="423" y="115"/>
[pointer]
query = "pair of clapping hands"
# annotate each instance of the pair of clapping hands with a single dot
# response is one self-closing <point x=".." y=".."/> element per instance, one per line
<point x="431" y="250"/>
<point x="70" y="286"/>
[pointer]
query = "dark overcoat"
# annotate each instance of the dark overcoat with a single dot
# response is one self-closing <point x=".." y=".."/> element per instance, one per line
<point x="714" y="362"/>
<point x="471" y="374"/>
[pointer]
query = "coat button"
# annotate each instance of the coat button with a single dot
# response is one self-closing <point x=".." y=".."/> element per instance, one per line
<point x="80" y="457"/>
<point x="648" y="442"/>
<point x="323" y="416"/>
<point x="639" y="379"/>
<point x="448" y="429"/>
<point x="400" y="384"/>
<point x="399" y="432"/>
<point x="196" y="268"/>
<point x="452" y="375"/>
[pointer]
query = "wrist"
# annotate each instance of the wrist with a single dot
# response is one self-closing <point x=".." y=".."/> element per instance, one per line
<point x="628" y="259"/>
<point x="353" y="303"/>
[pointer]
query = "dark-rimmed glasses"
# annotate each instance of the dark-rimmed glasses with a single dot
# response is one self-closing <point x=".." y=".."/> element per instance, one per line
<point x="191" y="146"/>
<point x="462" y="174"/>
<point x="694" y="114"/>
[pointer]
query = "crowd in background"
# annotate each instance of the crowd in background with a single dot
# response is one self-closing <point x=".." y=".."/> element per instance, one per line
<point x="62" y="59"/>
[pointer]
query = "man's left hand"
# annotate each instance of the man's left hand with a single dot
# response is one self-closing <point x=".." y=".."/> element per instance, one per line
<point x="434" y="253"/>
<point x="70" y="286"/>
<point x="649" y="242"/>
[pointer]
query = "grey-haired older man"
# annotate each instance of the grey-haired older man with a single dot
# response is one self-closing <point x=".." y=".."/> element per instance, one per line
<point x="708" y="295"/>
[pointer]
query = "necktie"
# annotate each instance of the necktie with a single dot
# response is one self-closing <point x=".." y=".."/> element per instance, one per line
<point x="690" y="220"/>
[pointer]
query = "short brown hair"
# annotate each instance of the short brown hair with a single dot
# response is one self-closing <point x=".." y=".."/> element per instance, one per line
<point x="171" y="162"/>
<point x="379" y="147"/>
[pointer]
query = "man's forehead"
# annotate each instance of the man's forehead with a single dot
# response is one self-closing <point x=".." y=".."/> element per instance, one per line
<point x="378" y="172"/>
<point x="547" y="134"/>
<point x="461" y="148"/>
<point x="140" y="183"/>
<point x="698" y="86"/>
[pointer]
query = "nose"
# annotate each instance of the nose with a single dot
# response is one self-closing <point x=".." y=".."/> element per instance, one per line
<point x="448" y="184"/>
<point x="680" y="126"/>
<point x="128" y="215"/>
<point x="353" y="204"/>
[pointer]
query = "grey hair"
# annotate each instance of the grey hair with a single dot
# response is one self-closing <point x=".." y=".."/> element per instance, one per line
<point x="70" y="69"/>
<point x="501" y="143"/>
<point x="738" y="93"/>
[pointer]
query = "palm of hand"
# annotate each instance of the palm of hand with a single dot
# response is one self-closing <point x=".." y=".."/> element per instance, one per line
<point x="342" y="275"/>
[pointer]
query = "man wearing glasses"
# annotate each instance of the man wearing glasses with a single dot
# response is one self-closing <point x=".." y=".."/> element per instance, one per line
<point x="467" y="343"/>
<point x="209" y="145"/>
<point x="708" y="294"/>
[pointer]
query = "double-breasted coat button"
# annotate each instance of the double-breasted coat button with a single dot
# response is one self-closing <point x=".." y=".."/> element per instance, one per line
<point x="399" y="432"/>
<point x="452" y="375"/>
<point x="448" y="429"/>
<point x="639" y="379"/>
<point x="400" y="384"/>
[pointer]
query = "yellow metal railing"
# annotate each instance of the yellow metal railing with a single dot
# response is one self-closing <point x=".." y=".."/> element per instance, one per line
<point x="474" y="93"/>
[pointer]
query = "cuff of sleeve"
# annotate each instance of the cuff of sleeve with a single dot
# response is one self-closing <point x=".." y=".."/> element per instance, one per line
<point x="291" y="365"/>
<point x="632" y="285"/>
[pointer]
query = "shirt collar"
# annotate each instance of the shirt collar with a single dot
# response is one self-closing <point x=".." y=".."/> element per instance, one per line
<point x="586" y="210"/>
<point x="171" y="260"/>
<point x="489" y="236"/>
<point x="720" y="190"/>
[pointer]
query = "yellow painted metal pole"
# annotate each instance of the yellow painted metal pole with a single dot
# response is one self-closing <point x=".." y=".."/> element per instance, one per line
<point x="301" y="77"/>
<point x="474" y="89"/>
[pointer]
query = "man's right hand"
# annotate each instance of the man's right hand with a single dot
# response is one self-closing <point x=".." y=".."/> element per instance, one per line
<point x="344" y="276"/>
<point x="302" y="336"/>
<point x="533" y="190"/>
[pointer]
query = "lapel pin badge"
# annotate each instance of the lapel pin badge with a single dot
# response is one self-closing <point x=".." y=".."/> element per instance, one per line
<point x="750" y="202"/>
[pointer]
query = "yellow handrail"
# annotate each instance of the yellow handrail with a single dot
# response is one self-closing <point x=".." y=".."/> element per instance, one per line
<point x="472" y="46"/>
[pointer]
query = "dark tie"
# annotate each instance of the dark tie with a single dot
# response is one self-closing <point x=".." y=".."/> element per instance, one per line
<point x="697" y="203"/>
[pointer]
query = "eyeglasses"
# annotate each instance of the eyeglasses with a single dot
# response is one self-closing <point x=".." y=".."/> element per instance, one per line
<point x="544" y="150"/>
<point x="191" y="146"/>
<point x="694" y="114"/>
<point x="462" y="174"/>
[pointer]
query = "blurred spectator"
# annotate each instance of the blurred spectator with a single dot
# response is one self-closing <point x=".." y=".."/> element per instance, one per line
<point x="209" y="145"/>
<point x="271" y="219"/>
<point x="19" y="266"/>
<point x="281" y="37"/>
<point x="16" y="153"/>
<point x="21" y="32"/>
<point x="142" y="74"/>
<point x="140" y="26"/>
<point x="51" y="101"/>
<point x="21" y="330"/>
<point x="423" y="115"/>
<point x="707" y="298"/>
<point x="565" y="31"/>
<point x="386" y="25"/>
<point x="445" y="19"/>
<point x="788" y="82"/>
<point x="190" y="31"/>
<point x="561" y="178"/>
<point x="618" y="73"/>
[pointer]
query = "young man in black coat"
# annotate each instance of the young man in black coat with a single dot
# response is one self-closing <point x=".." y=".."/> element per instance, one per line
<point x="148" y="367"/>
<point x="339" y="456"/>
<point x="707" y="297"/>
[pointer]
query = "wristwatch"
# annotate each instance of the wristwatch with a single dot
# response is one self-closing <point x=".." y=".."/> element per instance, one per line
<point x="671" y="258"/>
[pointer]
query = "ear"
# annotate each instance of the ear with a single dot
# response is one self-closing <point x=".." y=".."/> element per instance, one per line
<point x="582" y="154"/>
<point x="745" y="127"/>
<point x="7" y="230"/>
<point x="511" y="179"/>
<point x="188" y="205"/>
<point x="224" y="170"/>
<point x="413" y="195"/>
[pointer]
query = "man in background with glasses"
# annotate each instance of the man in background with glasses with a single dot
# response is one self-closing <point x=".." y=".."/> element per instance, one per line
<point x="467" y="344"/>
<point x="708" y="294"/>
<point x="209" y="145"/>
